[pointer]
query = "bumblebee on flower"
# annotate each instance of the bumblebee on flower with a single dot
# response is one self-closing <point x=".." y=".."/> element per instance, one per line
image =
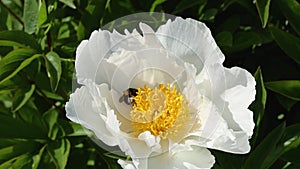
<point x="163" y="97"/>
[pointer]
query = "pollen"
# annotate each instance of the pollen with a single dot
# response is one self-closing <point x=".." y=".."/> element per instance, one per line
<point x="162" y="111"/>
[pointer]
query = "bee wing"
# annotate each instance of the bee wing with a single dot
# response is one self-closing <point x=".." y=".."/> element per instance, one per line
<point x="121" y="99"/>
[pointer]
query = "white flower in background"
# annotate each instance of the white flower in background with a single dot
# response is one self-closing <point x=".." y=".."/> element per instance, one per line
<point x="186" y="102"/>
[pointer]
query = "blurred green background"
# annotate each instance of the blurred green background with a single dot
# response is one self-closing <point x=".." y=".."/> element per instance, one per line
<point x="38" y="40"/>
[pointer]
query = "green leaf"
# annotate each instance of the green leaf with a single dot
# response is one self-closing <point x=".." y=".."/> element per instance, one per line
<point x="224" y="38"/>
<point x="263" y="10"/>
<point x="258" y="106"/>
<point x="73" y="129"/>
<point x="289" y="43"/>
<point x="186" y="4"/>
<point x="50" y="118"/>
<point x="287" y="88"/>
<point x="155" y="4"/>
<point x="209" y="14"/>
<point x="291" y="8"/>
<point x="21" y="38"/>
<point x="42" y="17"/>
<point x="59" y="152"/>
<point x="30" y="15"/>
<point x="25" y="63"/>
<point x="10" y="43"/>
<point x="15" y="128"/>
<point x="257" y="159"/>
<point x="22" y="161"/>
<point x="37" y="158"/>
<point x="13" y="60"/>
<point x="289" y="141"/>
<point x="17" y="149"/>
<point x="23" y="97"/>
<point x="53" y="65"/>
<point x="286" y="102"/>
<point x="69" y="3"/>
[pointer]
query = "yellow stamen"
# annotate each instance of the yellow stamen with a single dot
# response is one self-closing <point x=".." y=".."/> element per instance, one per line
<point x="161" y="111"/>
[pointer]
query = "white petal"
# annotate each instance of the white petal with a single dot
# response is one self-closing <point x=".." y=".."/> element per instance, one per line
<point x="126" y="164"/>
<point x="215" y="131"/>
<point x="196" y="158"/>
<point x="190" y="40"/>
<point x="239" y="97"/>
<point x="149" y="36"/>
<point x="80" y="110"/>
<point x="149" y="66"/>
<point x="90" y="53"/>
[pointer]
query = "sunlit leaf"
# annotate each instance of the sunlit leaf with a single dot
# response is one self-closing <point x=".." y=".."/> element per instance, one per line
<point x="16" y="149"/>
<point x="289" y="43"/>
<point x="53" y="65"/>
<point x="30" y="15"/>
<point x="21" y="38"/>
<point x="59" y="152"/>
<point x="287" y="88"/>
<point x="50" y="118"/>
<point x="155" y="4"/>
<point x="23" y="97"/>
<point x="42" y="17"/>
<point x="263" y="11"/>
<point x="25" y="63"/>
<point x="69" y="3"/>
<point x="13" y="60"/>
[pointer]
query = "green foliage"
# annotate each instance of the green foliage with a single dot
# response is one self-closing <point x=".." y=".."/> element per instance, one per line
<point x="38" y="40"/>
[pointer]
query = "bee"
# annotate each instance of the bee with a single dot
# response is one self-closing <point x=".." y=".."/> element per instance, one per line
<point x="128" y="95"/>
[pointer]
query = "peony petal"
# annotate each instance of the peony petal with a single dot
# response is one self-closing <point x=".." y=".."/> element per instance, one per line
<point x="80" y="110"/>
<point x="239" y="97"/>
<point x="191" y="41"/>
<point x="90" y="53"/>
<point x="214" y="131"/>
<point x="149" y="66"/>
<point x="196" y="158"/>
<point x="232" y="90"/>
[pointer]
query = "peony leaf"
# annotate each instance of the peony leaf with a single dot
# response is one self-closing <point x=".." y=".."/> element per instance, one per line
<point x="22" y="97"/>
<point x="186" y="4"/>
<point x="50" y="118"/>
<point x="291" y="10"/>
<point x="257" y="159"/>
<point x="53" y="65"/>
<point x="25" y="63"/>
<point x="258" y="106"/>
<point x="287" y="88"/>
<point x="30" y="15"/>
<point x="42" y="17"/>
<point x="155" y="4"/>
<point x="59" y="152"/>
<point x="286" y="102"/>
<point x="21" y="38"/>
<point x="69" y="3"/>
<point x="22" y="161"/>
<point x="289" y="141"/>
<point x="19" y="129"/>
<point x="289" y="43"/>
<point x="15" y="149"/>
<point x="263" y="11"/>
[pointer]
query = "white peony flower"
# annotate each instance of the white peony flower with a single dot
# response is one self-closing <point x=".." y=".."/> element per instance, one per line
<point x="187" y="101"/>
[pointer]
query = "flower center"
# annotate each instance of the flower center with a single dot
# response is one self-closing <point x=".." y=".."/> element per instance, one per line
<point x="161" y="110"/>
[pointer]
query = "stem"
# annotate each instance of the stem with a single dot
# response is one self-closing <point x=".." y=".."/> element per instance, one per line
<point x="12" y="13"/>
